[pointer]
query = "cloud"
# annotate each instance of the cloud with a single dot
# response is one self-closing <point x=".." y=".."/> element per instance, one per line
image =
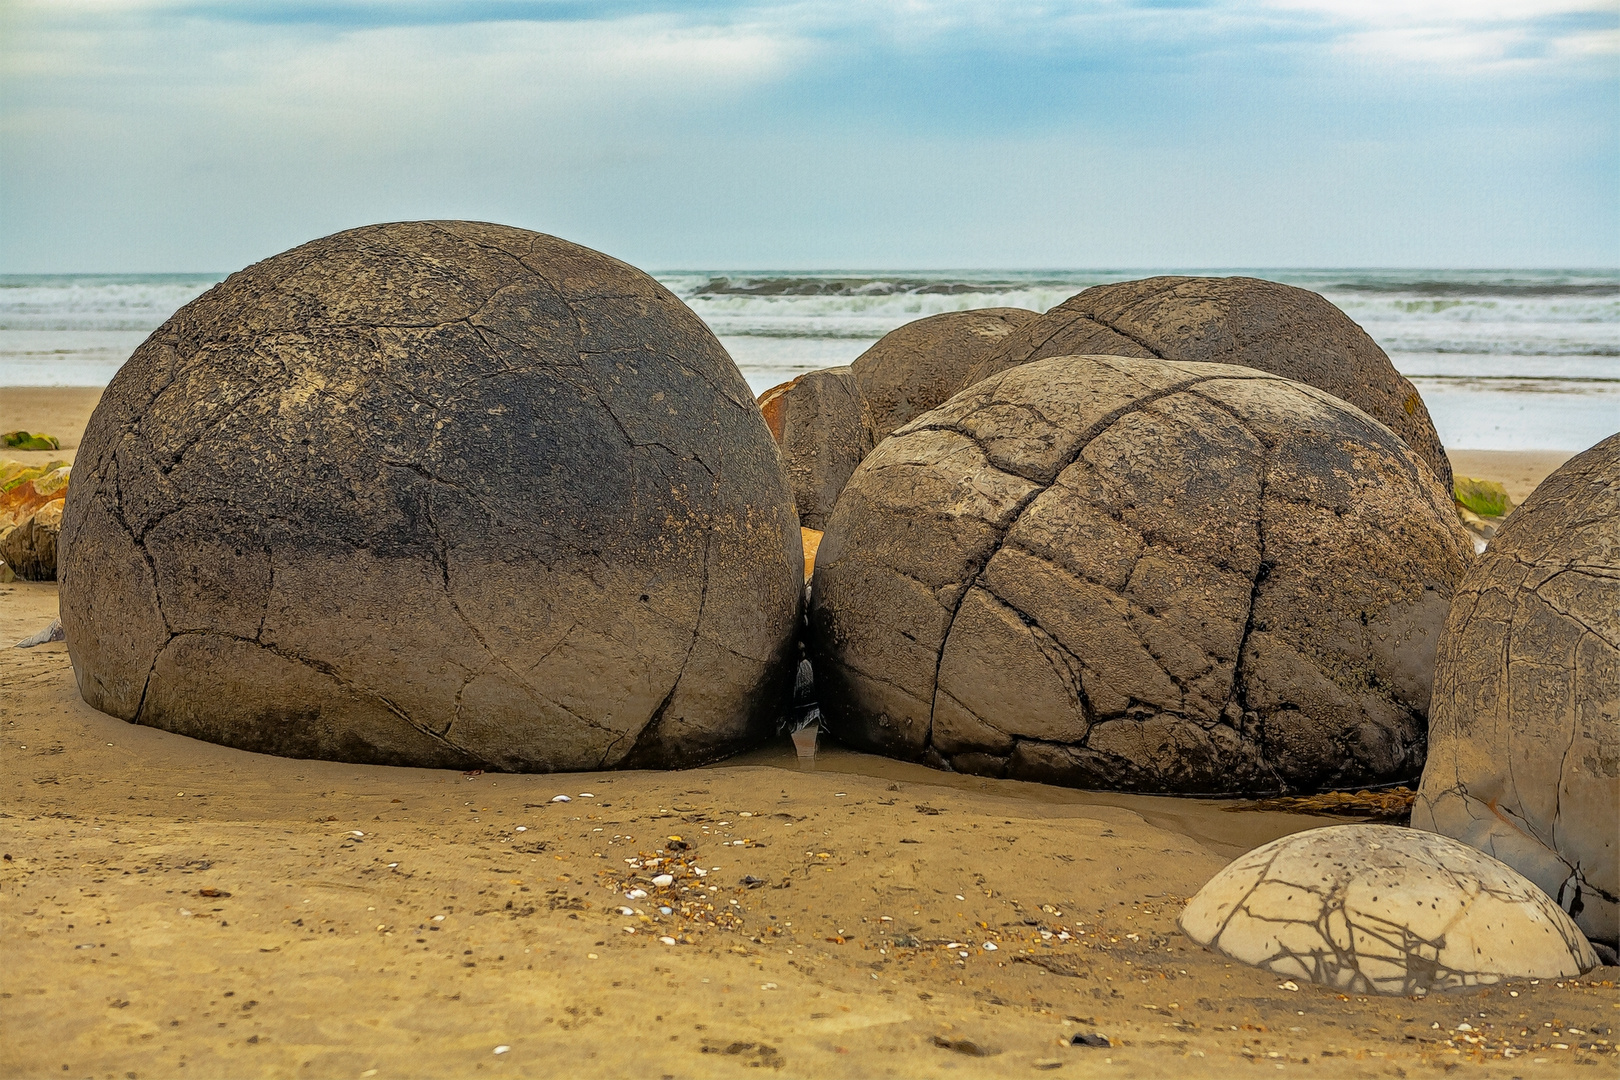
<point x="161" y="134"/>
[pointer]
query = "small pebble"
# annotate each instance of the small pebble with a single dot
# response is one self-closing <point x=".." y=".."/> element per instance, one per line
<point x="667" y="940"/>
<point x="522" y="828"/>
<point x="502" y="1049"/>
<point x="666" y="911"/>
<point x="561" y="798"/>
<point x="635" y="894"/>
<point x="663" y="880"/>
<point x="1289" y="985"/>
<point x="990" y="946"/>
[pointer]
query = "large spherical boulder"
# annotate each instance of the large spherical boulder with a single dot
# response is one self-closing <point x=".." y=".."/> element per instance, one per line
<point x="1386" y="910"/>
<point x="434" y="493"/>
<point x="1235" y="320"/>
<point x="820" y="430"/>
<point x="1139" y="574"/>
<point x="917" y="366"/>
<point x="1524" y="729"/>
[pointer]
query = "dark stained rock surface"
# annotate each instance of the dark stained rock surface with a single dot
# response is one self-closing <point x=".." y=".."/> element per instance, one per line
<point x="1524" y="729"/>
<point x="1290" y="332"/>
<point x="818" y="425"/>
<point x="915" y="367"/>
<point x="434" y="493"/>
<point x="1139" y="574"/>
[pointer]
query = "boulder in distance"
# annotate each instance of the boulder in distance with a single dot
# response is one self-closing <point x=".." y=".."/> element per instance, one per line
<point x="915" y="367"/>
<point x="819" y="426"/>
<point x="1278" y="328"/>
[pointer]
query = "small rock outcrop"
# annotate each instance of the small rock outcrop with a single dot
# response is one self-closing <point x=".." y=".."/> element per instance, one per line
<point x="443" y="494"/>
<point x="1287" y="331"/>
<point x="917" y="366"/>
<point x="820" y="430"/>
<point x="1381" y="909"/>
<point x="1134" y="574"/>
<point x="30" y="548"/>
<point x="1524" y="728"/>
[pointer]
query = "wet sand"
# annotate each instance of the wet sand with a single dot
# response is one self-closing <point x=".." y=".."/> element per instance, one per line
<point x="173" y="908"/>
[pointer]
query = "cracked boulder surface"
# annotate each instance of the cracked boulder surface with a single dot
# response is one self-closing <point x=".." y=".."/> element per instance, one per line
<point x="1142" y="575"/>
<point x="1278" y="328"/>
<point x="1382" y="909"/>
<point x="442" y="494"/>
<point x="916" y="367"/>
<point x="818" y="424"/>
<point x="1524" y="729"/>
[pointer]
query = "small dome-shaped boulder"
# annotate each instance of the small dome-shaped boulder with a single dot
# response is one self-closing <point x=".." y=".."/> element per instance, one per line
<point x="820" y="430"/>
<point x="1278" y="328"/>
<point x="1138" y="574"/>
<point x="437" y="494"/>
<point x="917" y="366"/>
<point x="1382" y="909"/>
<point x="1524" y="728"/>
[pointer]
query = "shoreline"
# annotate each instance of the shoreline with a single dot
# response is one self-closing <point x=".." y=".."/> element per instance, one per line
<point x="64" y="411"/>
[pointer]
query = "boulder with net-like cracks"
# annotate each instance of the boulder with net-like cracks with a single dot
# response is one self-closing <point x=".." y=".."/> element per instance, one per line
<point x="1387" y="910"/>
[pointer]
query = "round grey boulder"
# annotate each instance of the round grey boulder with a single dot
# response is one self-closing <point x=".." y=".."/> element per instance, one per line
<point x="917" y="366"/>
<point x="1135" y="574"/>
<point x="1524" y="728"/>
<point x="1232" y="320"/>
<point x="1381" y="909"/>
<point x="435" y="494"/>
<point x="820" y="431"/>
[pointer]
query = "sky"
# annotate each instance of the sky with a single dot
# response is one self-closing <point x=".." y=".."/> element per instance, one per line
<point x="150" y="136"/>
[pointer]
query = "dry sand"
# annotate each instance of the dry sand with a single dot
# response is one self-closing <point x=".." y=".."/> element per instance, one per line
<point x="62" y="411"/>
<point x="1519" y="471"/>
<point x="172" y="908"/>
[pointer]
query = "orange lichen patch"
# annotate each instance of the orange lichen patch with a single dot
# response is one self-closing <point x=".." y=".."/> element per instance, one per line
<point x="1391" y="803"/>
<point x="812" y="543"/>
<point x="770" y="403"/>
<point x="20" y="503"/>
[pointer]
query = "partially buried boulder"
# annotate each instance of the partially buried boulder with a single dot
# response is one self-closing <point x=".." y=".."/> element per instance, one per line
<point x="1524" y="729"/>
<point x="827" y="421"/>
<point x="1234" y="320"/>
<point x="818" y="423"/>
<point x="30" y="548"/>
<point x="1383" y="909"/>
<point x="438" y="494"/>
<point x="916" y="367"/>
<point x="1138" y="574"/>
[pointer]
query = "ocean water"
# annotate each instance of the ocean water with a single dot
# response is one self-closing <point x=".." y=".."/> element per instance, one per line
<point x="1504" y="359"/>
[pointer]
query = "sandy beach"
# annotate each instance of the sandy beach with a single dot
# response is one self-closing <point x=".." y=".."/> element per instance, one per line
<point x="175" y="908"/>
